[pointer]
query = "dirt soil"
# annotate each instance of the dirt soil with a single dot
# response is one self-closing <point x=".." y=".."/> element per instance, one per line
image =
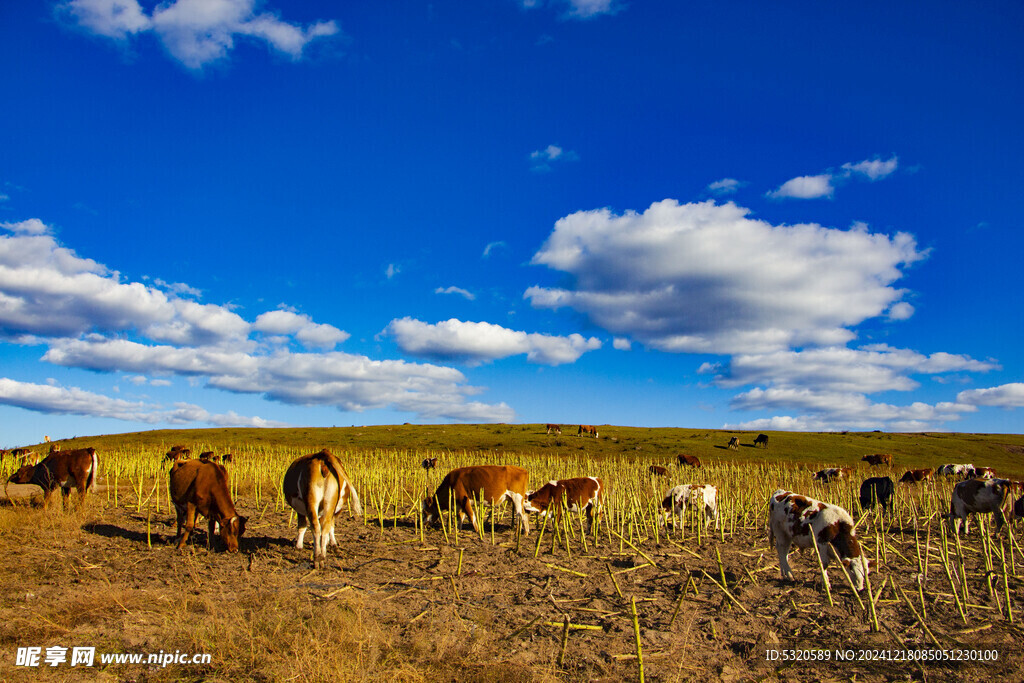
<point x="390" y="607"/>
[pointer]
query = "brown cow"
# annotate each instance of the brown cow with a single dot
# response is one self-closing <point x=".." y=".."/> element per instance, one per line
<point x="202" y="488"/>
<point x="208" y="456"/>
<point x="317" y="487"/>
<point x="985" y="472"/>
<point x="691" y="460"/>
<point x="587" y="429"/>
<point x="914" y="476"/>
<point x="78" y="468"/>
<point x="490" y="483"/>
<point x="578" y="493"/>
<point x="228" y="458"/>
<point x="178" y="453"/>
<point x="734" y="443"/>
<point x="657" y="471"/>
<point x="878" y="459"/>
<point x="557" y="429"/>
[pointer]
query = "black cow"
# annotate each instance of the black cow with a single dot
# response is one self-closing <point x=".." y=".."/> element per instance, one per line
<point x="761" y="440"/>
<point x="877" y="490"/>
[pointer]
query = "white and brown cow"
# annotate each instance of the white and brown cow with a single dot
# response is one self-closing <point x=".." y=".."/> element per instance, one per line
<point x="963" y="471"/>
<point x="734" y="443"/>
<point x="491" y="484"/>
<point x="985" y="472"/>
<point x="553" y="428"/>
<point x="702" y="497"/>
<point x="62" y="470"/>
<point x="830" y="474"/>
<point x="202" y="488"/>
<point x="802" y="521"/>
<point x="978" y="496"/>
<point x="318" y="487"/>
<point x="587" y="429"/>
<point x="578" y="493"/>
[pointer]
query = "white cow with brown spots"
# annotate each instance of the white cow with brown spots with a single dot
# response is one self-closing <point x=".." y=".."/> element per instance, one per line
<point x="802" y="521"/>
<point x="978" y="496"/>
<point x="703" y="497"/>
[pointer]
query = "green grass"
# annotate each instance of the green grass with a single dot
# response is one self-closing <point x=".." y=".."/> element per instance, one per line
<point x="1005" y="452"/>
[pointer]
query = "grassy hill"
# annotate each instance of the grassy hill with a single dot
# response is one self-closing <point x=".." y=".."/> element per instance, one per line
<point x="1005" y="452"/>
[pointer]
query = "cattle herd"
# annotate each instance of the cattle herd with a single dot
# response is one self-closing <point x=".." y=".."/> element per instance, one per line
<point x="318" y="488"/>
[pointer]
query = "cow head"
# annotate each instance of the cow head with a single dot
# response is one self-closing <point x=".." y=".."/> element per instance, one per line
<point x="23" y="475"/>
<point x="431" y="512"/>
<point x="231" y="532"/>
<point x="859" y="567"/>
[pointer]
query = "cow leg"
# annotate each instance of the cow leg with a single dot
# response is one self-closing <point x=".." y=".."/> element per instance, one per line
<point x="783" y="549"/>
<point x="211" y="529"/>
<point x="313" y="505"/>
<point x="303" y="527"/>
<point x="518" y="505"/>
<point x="466" y="510"/>
<point x="1000" y="519"/>
<point x="190" y="523"/>
<point x="65" y="497"/>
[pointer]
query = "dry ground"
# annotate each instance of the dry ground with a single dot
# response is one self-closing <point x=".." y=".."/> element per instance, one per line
<point x="391" y="607"/>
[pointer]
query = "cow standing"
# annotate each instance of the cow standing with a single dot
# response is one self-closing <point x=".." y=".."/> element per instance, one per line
<point x="64" y="469"/>
<point x="914" y="476"/>
<point x="202" y="488"/>
<point x="802" y="521"/>
<point x="878" y="459"/>
<point x="703" y="497"/>
<point x="578" y="493"/>
<point x="492" y="484"/>
<point x="978" y="496"/>
<point x="761" y="440"/>
<point x="657" y="471"/>
<point x="587" y="429"/>
<point x="428" y="463"/>
<point x="688" y="460"/>
<point x="317" y="487"/>
<point x="830" y="474"/>
<point x="734" y="443"/>
<point x="877" y="490"/>
<point x="554" y="429"/>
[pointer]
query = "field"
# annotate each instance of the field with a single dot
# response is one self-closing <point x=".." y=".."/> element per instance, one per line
<point x="400" y="602"/>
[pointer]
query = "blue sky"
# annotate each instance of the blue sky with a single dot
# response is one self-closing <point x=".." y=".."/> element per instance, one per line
<point x="231" y="213"/>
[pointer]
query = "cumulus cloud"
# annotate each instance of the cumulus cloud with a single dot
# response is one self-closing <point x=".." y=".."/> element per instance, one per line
<point x="1003" y="396"/>
<point x="724" y="186"/>
<point x="478" y="342"/>
<point x="872" y="169"/>
<point x="195" y="32"/>
<point x="621" y="344"/>
<point x="309" y="333"/>
<point x="823" y="185"/>
<point x="465" y="294"/>
<point x="542" y="160"/>
<point x="706" y="278"/>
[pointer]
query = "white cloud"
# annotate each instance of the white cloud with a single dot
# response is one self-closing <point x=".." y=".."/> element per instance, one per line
<point x="587" y="9"/>
<point x="311" y="334"/>
<point x="805" y="187"/>
<point x="724" y="186"/>
<point x="873" y="169"/>
<point x="392" y="270"/>
<point x="196" y="32"/>
<point x="542" y="159"/>
<point x="466" y="294"/>
<point x="489" y="249"/>
<point x="704" y="277"/>
<point x="621" y="344"/>
<point x="1003" y="396"/>
<point x="479" y="342"/>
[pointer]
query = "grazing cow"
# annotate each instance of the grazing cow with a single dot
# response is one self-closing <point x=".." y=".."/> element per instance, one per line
<point x="761" y="440"/>
<point x="878" y="459"/>
<point x="914" y="476"/>
<point x="963" y="471"/>
<point x="877" y="490"/>
<point x="78" y="468"/>
<point x="985" y="472"/>
<point x="830" y="474"/>
<point x="429" y="463"/>
<point x="704" y="497"/>
<point x="578" y="493"/>
<point x="492" y="484"/>
<point x="657" y="471"/>
<point x="228" y="458"/>
<point x="734" y="443"/>
<point x="587" y="429"/>
<point x="199" y="487"/>
<point x="557" y="429"/>
<point x="802" y="521"/>
<point x="178" y="453"/>
<point x="208" y="456"/>
<point x="690" y="460"/>
<point x="1018" y="508"/>
<point x="978" y="495"/>
<point x="317" y="487"/>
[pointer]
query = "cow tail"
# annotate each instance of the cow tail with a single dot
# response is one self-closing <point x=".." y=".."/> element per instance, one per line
<point x="94" y="473"/>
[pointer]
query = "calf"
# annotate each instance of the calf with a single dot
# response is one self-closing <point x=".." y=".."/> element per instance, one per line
<point x="830" y="474"/>
<point x="64" y="469"/>
<point x="689" y="460"/>
<point x="979" y="496"/>
<point x="578" y="493"/>
<point x="704" y="497"/>
<point x="490" y="483"/>
<point x="556" y="429"/>
<point x="877" y="490"/>
<point x="202" y="488"/>
<point x="657" y="471"/>
<point x="429" y="463"/>
<point x="587" y="429"/>
<point x="317" y="487"/>
<point x="734" y="443"/>
<point x="761" y="440"/>
<point x="878" y="459"/>
<point x="802" y="521"/>
<point x="914" y="476"/>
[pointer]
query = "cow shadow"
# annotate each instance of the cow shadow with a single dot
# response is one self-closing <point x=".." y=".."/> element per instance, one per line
<point x="111" y="531"/>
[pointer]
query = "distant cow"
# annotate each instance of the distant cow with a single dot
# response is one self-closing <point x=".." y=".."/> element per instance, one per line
<point x="802" y="521"/>
<point x="317" y="487"/>
<point x="657" y="471"/>
<point x="579" y="493"/>
<point x="703" y="497"/>
<point x="985" y="472"/>
<point x="978" y="496"/>
<point x="830" y="474"/>
<point x="878" y="459"/>
<point x="208" y="456"/>
<point x="202" y="488"/>
<point x="587" y="429"/>
<point x="877" y="490"/>
<point x="78" y="468"/>
<point x="492" y="484"/>
<point x="761" y="440"/>
<point x="1018" y="508"/>
<point x="734" y="443"/>
<point x="914" y="476"/>
<point x="429" y="463"/>
<point x="228" y="458"/>
<point x="688" y="460"/>
<point x="178" y="453"/>
<point x="963" y="471"/>
<point x="557" y="429"/>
